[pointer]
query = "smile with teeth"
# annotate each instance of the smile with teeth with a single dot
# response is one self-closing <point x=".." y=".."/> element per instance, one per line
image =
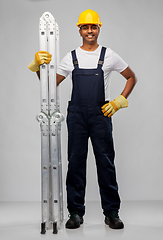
<point x="90" y="36"/>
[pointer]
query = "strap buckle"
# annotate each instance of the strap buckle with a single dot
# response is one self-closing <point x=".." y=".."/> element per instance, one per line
<point x="100" y="62"/>
<point x="75" y="62"/>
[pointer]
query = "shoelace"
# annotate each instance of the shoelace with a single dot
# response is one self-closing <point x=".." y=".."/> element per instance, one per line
<point x="114" y="214"/>
<point x="72" y="214"/>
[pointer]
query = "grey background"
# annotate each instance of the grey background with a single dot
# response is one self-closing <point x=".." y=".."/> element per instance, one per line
<point x="133" y="28"/>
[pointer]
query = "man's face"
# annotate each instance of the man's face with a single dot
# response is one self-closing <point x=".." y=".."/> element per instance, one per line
<point x="89" y="33"/>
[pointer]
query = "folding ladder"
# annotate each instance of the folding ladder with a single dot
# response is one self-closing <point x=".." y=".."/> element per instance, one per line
<point x="50" y="120"/>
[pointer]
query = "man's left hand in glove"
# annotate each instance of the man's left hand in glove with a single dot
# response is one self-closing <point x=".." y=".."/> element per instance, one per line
<point x="110" y="108"/>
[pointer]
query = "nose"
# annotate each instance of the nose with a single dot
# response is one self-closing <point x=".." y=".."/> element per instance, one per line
<point x="89" y="28"/>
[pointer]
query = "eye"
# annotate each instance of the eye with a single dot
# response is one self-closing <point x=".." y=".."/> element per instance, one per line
<point x="94" y="27"/>
<point x="84" y="27"/>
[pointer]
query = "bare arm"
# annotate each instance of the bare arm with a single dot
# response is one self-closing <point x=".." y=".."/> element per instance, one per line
<point x="60" y="78"/>
<point x="131" y="81"/>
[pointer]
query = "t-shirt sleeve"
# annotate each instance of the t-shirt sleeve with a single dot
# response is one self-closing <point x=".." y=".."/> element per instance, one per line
<point x="118" y="64"/>
<point x="65" y="67"/>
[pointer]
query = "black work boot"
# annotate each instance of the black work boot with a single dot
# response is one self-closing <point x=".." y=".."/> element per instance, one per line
<point x="114" y="221"/>
<point x="74" y="221"/>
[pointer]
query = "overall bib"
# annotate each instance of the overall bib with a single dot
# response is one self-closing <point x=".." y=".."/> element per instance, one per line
<point x="85" y="119"/>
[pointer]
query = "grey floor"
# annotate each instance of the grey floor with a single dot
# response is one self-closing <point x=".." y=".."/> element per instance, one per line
<point x="143" y="220"/>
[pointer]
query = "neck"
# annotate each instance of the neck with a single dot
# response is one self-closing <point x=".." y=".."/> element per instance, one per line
<point x="89" y="47"/>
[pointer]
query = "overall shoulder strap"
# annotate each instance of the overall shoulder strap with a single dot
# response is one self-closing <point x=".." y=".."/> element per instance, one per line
<point x="101" y="59"/>
<point x="74" y="59"/>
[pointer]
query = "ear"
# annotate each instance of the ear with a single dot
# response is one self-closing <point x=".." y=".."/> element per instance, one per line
<point x="80" y="32"/>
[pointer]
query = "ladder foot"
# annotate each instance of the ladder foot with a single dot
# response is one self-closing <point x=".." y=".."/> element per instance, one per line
<point x="43" y="228"/>
<point x="55" y="230"/>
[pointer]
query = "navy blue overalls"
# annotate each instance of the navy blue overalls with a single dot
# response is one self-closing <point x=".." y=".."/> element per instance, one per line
<point x="85" y="119"/>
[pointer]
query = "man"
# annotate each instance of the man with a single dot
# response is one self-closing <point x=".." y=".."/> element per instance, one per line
<point x="89" y="116"/>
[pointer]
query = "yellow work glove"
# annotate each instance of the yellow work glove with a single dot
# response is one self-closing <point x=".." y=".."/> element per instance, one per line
<point x="40" y="58"/>
<point x="110" y="108"/>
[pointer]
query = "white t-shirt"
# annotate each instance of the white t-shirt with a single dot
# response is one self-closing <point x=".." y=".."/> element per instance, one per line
<point x="89" y="60"/>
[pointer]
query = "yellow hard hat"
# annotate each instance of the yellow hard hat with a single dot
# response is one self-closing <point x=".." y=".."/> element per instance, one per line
<point x="89" y="17"/>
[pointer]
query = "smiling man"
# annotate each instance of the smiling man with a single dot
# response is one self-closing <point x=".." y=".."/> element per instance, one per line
<point x="89" y="116"/>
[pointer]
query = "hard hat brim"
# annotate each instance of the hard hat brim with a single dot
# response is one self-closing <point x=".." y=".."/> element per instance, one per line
<point x="80" y="24"/>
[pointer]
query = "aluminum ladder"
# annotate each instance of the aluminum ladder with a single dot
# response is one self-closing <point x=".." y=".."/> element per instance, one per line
<point x="50" y="120"/>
